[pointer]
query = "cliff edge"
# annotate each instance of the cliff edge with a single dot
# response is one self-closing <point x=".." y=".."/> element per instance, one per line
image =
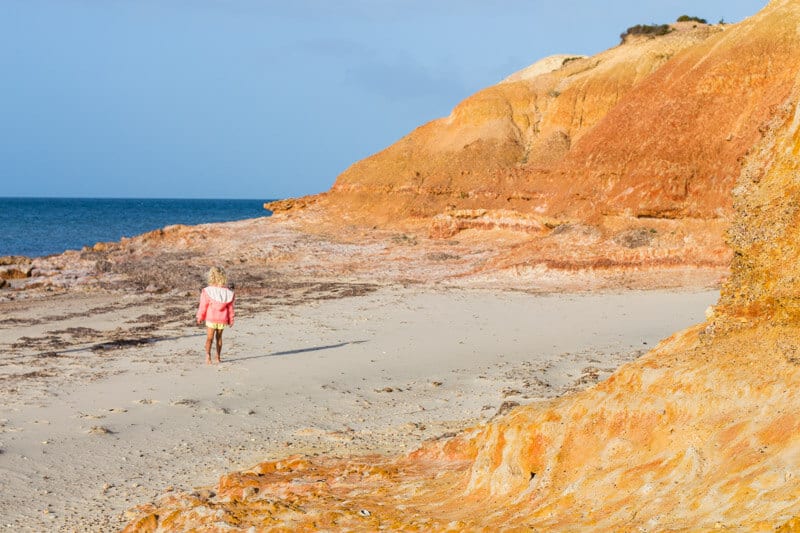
<point x="625" y="159"/>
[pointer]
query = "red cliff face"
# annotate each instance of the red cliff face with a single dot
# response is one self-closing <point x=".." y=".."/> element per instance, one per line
<point x="702" y="433"/>
<point x="673" y="146"/>
<point x="492" y="149"/>
<point x="648" y="136"/>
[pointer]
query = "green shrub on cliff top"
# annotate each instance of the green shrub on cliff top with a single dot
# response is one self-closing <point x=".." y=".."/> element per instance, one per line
<point x="653" y="30"/>
<point x="687" y="18"/>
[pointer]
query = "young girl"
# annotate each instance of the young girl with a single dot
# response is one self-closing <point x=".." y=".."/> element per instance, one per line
<point x="216" y="309"/>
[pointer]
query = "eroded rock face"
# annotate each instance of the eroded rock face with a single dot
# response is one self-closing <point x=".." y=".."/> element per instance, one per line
<point x="653" y="129"/>
<point x="701" y="433"/>
<point x="490" y="151"/>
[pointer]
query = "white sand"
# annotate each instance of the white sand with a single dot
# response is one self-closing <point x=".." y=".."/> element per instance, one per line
<point x="379" y="372"/>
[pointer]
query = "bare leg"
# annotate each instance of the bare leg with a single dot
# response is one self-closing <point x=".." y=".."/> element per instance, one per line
<point x="219" y="345"/>
<point x="209" y="338"/>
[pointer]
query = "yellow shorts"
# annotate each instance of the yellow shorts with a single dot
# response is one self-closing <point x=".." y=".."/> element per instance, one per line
<point x="214" y="325"/>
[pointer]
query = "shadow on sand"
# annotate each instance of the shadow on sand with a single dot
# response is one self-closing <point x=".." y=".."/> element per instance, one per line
<point x="293" y="352"/>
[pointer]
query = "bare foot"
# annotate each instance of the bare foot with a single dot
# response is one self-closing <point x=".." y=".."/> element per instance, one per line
<point x="219" y="360"/>
<point x="208" y="359"/>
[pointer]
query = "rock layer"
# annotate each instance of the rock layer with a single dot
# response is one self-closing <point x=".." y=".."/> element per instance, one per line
<point x="498" y="148"/>
<point x="701" y="433"/>
<point x="653" y="129"/>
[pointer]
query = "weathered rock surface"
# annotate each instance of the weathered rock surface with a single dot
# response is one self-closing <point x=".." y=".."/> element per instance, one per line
<point x="652" y="130"/>
<point x="701" y="433"/>
<point x="265" y="255"/>
<point x="14" y="267"/>
<point x="498" y="148"/>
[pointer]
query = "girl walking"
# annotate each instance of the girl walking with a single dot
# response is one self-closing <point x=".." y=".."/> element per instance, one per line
<point x="216" y="310"/>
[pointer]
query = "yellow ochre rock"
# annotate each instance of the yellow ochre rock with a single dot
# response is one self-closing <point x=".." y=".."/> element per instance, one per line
<point x="650" y="134"/>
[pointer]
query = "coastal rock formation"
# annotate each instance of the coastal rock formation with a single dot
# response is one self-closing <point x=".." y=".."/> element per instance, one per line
<point x="654" y="129"/>
<point x="499" y="148"/>
<point x="15" y="267"/>
<point x="701" y="433"/>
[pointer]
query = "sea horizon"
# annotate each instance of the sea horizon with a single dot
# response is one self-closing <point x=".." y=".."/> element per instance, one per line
<point x="36" y="226"/>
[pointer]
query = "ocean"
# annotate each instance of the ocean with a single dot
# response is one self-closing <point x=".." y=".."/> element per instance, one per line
<point x="44" y="226"/>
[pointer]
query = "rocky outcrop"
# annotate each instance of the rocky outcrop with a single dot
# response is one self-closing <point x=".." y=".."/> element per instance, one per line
<point x="655" y="128"/>
<point x="13" y="267"/>
<point x="291" y="204"/>
<point x="701" y="433"/>
<point x="492" y="150"/>
<point x="479" y="156"/>
<point x="521" y="124"/>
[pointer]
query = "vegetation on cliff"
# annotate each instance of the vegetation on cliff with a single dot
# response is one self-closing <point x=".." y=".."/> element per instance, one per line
<point x="652" y="30"/>
<point x="653" y="130"/>
<point x="687" y="18"/>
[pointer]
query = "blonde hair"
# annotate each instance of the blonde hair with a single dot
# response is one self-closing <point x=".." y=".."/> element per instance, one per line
<point x="217" y="276"/>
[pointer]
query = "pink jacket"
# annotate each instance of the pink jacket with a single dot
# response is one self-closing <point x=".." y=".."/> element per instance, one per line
<point x="216" y="305"/>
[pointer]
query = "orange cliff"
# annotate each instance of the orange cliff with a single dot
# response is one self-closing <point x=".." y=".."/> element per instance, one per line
<point x="702" y="433"/>
<point x="624" y="159"/>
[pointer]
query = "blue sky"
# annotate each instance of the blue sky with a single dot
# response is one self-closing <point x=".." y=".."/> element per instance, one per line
<point x="261" y="99"/>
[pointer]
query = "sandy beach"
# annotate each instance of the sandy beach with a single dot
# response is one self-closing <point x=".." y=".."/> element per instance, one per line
<point x="109" y="405"/>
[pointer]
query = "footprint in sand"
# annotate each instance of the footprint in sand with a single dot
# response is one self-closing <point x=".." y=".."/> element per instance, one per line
<point x="218" y="410"/>
<point x="146" y="401"/>
<point x="91" y="417"/>
<point x="5" y="428"/>
<point x="185" y="402"/>
<point x="344" y="435"/>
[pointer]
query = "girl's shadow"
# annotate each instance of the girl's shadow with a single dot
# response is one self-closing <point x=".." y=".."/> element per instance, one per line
<point x="300" y="350"/>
